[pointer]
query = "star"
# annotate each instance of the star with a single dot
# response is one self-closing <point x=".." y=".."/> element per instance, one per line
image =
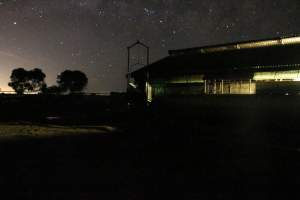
<point x="83" y="3"/>
<point x="63" y="33"/>
<point x="149" y="12"/>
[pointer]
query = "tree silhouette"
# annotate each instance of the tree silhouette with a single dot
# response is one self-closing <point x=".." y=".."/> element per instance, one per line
<point x="18" y="80"/>
<point x="72" y="81"/>
<point x="23" y="81"/>
<point x="36" y="80"/>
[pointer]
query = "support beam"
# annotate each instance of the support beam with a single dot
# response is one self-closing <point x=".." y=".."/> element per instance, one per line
<point x="207" y="91"/>
<point x="215" y="86"/>
<point x="240" y="90"/>
<point x="250" y="85"/>
<point x="222" y="86"/>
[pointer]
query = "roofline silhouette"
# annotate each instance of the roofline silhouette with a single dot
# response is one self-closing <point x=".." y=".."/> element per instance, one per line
<point x="277" y="41"/>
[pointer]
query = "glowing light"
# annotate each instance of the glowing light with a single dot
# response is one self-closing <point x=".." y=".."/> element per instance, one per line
<point x="293" y="75"/>
<point x="187" y="79"/>
<point x="292" y="40"/>
<point x="249" y="45"/>
<point x="133" y="85"/>
<point x="149" y="92"/>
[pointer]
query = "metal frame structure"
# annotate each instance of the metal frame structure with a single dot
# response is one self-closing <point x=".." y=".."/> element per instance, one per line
<point x="129" y="48"/>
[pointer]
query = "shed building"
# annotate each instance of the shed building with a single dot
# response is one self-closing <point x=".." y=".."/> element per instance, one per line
<point x="254" y="67"/>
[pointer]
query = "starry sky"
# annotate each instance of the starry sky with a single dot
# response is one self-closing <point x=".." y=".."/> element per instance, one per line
<point x="92" y="35"/>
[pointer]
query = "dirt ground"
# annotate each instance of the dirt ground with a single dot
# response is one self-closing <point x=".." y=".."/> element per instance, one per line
<point x="55" y="162"/>
<point x="230" y="150"/>
<point x="19" y="130"/>
<point x="147" y="163"/>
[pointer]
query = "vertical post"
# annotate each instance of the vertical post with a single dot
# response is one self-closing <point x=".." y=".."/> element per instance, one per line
<point x="240" y="92"/>
<point x="208" y="89"/>
<point x="215" y="86"/>
<point x="147" y="84"/>
<point x="128" y="61"/>
<point x="250" y="86"/>
<point x="128" y="66"/>
<point x="205" y="91"/>
<point x="148" y="56"/>
<point x="148" y="88"/>
<point x="222" y="86"/>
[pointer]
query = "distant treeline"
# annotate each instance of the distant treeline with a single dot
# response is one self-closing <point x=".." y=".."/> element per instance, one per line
<point x="71" y="108"/>
<point x="33" y="81"/>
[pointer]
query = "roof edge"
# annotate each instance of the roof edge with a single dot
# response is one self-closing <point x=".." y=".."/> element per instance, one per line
<point x="238" y="45"/>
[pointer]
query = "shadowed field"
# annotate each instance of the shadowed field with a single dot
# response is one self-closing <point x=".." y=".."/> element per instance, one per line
<point x="54" y="162"/>
<point x="207" y="148"/>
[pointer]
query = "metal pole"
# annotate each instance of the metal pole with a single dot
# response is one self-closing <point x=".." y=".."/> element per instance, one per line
<point x="222" y="86"/>
<point x="249" y="86"/>
<point x="207" y="91"/>
<point x="147" y="85"/>
<point x="128" y="66"/>
<point x="128" y="61"/>
<point x="215" y="87"/>
<point x="148" y="56"/>
<point x="240" y="92"/>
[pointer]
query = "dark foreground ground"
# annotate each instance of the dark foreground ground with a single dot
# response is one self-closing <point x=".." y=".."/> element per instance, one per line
<point x="207" y="148"/>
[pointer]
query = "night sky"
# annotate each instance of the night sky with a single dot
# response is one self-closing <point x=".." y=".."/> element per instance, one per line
<point x="92" y="35"/>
